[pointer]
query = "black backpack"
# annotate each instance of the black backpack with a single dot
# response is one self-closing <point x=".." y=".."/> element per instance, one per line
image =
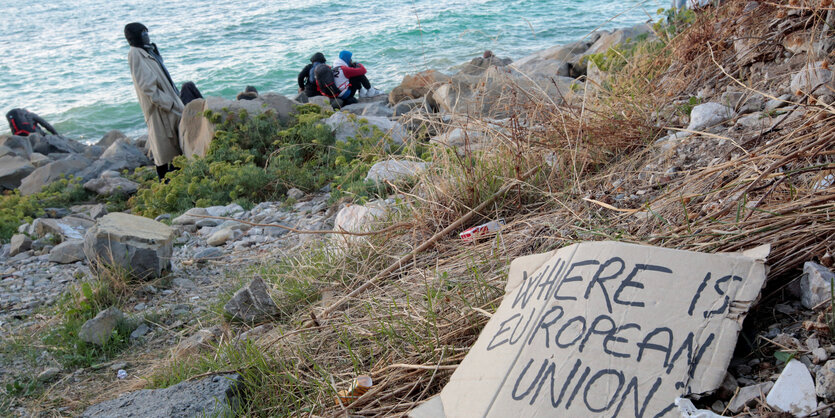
<point x="20" y="123"/>
<point x="325" y="82"/>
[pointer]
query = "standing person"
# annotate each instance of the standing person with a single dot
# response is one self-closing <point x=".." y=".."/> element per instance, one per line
<point x="356" y="75"/>
<point x="306" y="79"/>
<point x="158" y="97"/>
<point x="23" y="122"/>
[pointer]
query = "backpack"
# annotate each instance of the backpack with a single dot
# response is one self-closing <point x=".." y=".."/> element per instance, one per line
<point x="20" y="123"/>
<point x="325" y="83"/>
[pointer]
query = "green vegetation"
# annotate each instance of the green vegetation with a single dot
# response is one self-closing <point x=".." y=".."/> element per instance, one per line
<point x="16" y="209"/>
<point x="254" y="159"/>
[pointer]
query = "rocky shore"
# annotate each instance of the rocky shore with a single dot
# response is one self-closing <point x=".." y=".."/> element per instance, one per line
<point x="188" y="263"/>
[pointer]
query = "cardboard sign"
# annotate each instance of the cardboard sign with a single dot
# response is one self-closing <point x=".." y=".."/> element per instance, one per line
<point x="605" y="329"/>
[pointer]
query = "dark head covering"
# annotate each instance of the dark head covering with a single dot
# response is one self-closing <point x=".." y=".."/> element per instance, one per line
<point x="133" y="33"/>
<point x="318" y="57"/>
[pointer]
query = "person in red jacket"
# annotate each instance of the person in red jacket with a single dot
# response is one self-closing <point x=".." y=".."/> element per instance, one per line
<point x="355" y="74"/>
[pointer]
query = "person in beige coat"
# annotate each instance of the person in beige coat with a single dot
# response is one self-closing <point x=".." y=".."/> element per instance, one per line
<point x="158" y="97"/>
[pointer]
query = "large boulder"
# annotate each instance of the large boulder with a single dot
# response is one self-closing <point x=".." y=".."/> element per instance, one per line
<point x="369" y="109"/>
<point x="19" y="243"/>
<point x="415" y="86"/>
<point x="394" y="170"/>
<point x="478" y="65"/>
<point x="13" y="169"/>
<point x="619" y="37"/>
<point x="125" y="155"/>
<point x="196" y="131"/>
<point x="110" y="185"/>
<point x="99" y="329"/>
<point x="19" y="145"/>
<point x="215" y="396"/>
<point x="141" y="246"/>
<point x="40" y="177"/>
<point x="66" y="228"/>
<point x="500" y="92"/>
<point x="67" y="252"/>
<point x="252" y="303"/>
<point x="345" y="126"/>
<point x="52" y="144"/>
<point x="561" y="60"/>
<point x="109" y="138"/>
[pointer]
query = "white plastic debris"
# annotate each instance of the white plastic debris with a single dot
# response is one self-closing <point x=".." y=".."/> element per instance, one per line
<point x="688" y="410"/>
<point x="121" y="374"/>
<point x="794" y="390"/>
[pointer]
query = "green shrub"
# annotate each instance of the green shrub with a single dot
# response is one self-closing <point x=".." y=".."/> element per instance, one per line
<point x="16" y="209"/>
<point x="253" y="159"/>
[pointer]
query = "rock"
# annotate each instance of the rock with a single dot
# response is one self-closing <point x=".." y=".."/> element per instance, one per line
<point x="797" y="42"/>
<point x="815" y="284"/>
<point x="39" y="160"/>
<point x="196" y="131"/>
<point x="728" y="388"/>
<point x="252" y="303"/>
<point x="708" y="114"/>
<point x="108" y="186"/>
<point x="395" y="170"/>
<point x="140" y="331"/>
<point x="415" y="86"/>
<point x="406" y="106"/>
<point x="794" y="390"/>
<point x="220" y="237"/>
<point x="345" y="127"/>
<point x="562" y="60"/>
<point x="216" y="396"/>
<point x="230" y="210"/>
<point x="620" y="37"/>
<point x="67" y="252"/>
<point x="122" y="155"/>
<point x="13" y="169"/>
<point x="200" y="340"/>
<point x="358" y="218"/>
<point x="747" y="395"/>
<point x="67" y="228"/>
<point x="91" y="212"/>
<point x="254" y="333"/>
<point x="819" y="355"/>
<point x="99" y="329"/>
<point x="280" y="105"/>
<point x="825" y="382"/>
<point x="478" y="65"/>
<point x="777" y="103"/>
<point x="190" y="217"/>
<point x="139" y="245"/>
<point x="48" y="374"/>
<point x="369" y="109"/>
<point x="17" y="145"/>
<point x="459" y="137"/>
<point x="183" y="283"/>
<point x="295" y="193"/>
<point x="813" y="78"/>
<point x="19" y="243"/>
<point x="52" y="144"/>
<point x="321" y="101"/>
<point x="208" y="253"/>
<point x="51" y="172"/>
<point x="109" y="138"/>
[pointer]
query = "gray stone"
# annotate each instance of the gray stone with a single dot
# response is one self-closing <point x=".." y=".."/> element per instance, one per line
<point x="813" y="78"/>
<point x="220" y="237"/>
<point x="747" y="396"/>
<point x="345" y="127"/>
<point x="321" y="101"/>
<point x="183" y="283"/>
<point x="395" y="170"/>
<point x="92" y="212"/>
<point x="208" y="222"/>
<point x="139" y="245"/>
<point x="48" y="374"/>
<point x="107" y="186"/>
<point x="19" y="145"/>
<point x="125" y="155"/>
<point x="252" y="303"/>
<point x="825" y="381"/>
<point x="230" y="210"/>
<point x="109" y="138"/>
<point x="777" y="103"/>
<point x="728" y="388"/>
<point x="794" y="390"/>
<point x="67" y="252"/>
<point x="54" y="144"/>
<point x="406" y="106"/>
<point x="815" y="284"/>
<point x="13" y="169"/>
<point x="51" y="172"/>
<point x="708" y="114"/>
<point x="190" y="217"/>
<point x="215" y="396"/>
<point x="199" y="341"/>
<point x="39" y="160"/>
<point x="208" y="253"/>
<point x="369" y="109"/>
<point x="295" y="193"/>
<point x="99" y="329"/>
<point x="140" y="331"/>
<point x="19" y="243"/>
<point x="67" y="228"/>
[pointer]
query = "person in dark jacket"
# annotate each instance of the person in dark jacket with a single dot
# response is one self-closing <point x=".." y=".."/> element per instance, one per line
<point x="307" y="83"/>
<point x="23" y="122"/>
<point x="356" y="76"/>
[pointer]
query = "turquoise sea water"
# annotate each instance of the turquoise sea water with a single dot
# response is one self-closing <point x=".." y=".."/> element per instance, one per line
<point x="67" y="59"/>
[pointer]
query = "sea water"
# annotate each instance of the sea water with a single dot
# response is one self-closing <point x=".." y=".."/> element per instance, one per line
<point x="67" y="59"/>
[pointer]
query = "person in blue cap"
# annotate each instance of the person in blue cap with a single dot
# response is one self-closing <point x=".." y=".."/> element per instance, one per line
<point x="356" y="76"/>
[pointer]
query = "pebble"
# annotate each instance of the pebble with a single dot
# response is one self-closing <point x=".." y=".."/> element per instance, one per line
<point x="48" y="374"/>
